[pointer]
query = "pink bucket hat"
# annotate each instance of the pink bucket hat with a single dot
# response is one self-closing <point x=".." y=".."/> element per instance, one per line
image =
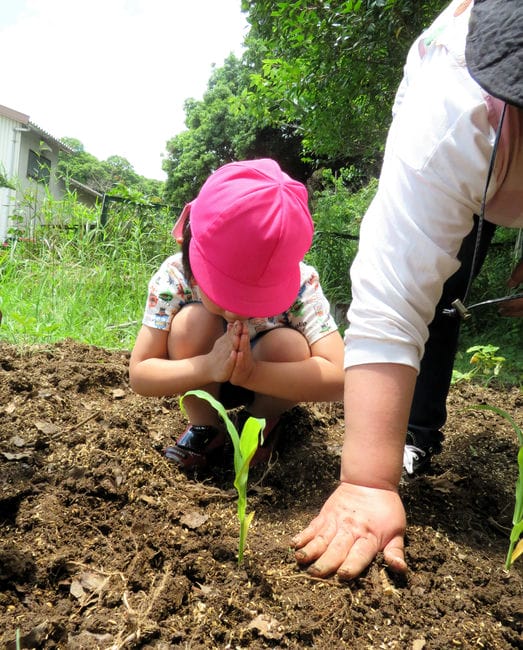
<point x="250" y="227"/>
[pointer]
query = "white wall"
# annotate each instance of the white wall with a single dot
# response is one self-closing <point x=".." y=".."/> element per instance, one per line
<point x="16" y="139"/>
<point x="10" y="137"/>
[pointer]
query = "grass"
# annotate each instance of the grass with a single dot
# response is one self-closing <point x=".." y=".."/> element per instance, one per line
<point x="54" y="303"/>
<point x="86" y="283"/>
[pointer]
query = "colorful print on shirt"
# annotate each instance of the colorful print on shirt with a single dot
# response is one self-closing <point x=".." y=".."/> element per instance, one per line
<point x="170" y="291"/>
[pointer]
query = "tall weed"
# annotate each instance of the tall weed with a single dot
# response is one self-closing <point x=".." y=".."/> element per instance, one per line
<point x="64" y="275"/>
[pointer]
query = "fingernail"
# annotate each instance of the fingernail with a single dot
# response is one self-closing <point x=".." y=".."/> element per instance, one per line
<point x="315" y="571"/>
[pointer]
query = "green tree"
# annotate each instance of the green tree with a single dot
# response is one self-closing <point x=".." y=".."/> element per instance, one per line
<point x="122" y="171"/>
<point x="329" y="69"/>
<point x="104" y="175"/>
<point x="220" y="131"/>
<point x="84" y="167"/>
<point x="215" y="135"/>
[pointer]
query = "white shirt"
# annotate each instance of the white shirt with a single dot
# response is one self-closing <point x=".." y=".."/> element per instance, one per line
<point x="432" y="183"/>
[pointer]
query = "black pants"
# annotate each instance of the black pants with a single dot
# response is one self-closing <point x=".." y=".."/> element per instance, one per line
<point x="429" y="406"/>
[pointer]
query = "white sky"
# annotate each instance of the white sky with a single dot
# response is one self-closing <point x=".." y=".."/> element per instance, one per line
<point x="114" y="74"/>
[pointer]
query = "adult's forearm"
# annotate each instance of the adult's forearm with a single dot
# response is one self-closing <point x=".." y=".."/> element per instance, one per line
<point x="377" y="404"/>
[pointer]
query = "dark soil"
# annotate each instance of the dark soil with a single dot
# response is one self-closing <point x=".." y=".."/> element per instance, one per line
<point x="104" y="544"/>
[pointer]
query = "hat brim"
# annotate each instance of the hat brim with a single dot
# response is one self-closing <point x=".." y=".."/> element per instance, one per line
<point x="494" y="48"/>
<point x="232" y="295"/>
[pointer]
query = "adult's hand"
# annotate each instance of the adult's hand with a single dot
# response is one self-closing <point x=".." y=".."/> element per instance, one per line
<point x="517" y="275"/>
<point x="355" y="523"/>
<point x="514" y="307"/>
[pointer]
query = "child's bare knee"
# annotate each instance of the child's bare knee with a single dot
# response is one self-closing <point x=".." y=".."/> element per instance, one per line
<point x="193" y="331"/>
<point x="282" y="344"/>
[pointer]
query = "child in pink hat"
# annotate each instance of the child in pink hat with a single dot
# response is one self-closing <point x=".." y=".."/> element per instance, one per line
<point x="237" y="312"/>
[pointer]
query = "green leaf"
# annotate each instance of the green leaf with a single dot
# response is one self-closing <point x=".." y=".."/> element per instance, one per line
<point x="245" y="446"/>
<point x="250" y="438"/>
<point x="518" y="550"/>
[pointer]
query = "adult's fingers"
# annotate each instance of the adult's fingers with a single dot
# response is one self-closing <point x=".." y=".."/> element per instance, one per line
<point x="354" y="524"/>
<point x="513" y="308"/>
<point x="394" y="555"/>
<point x="517" y="275"/>
<point x="334" y="555"/>
<point x="362" y="553"/>
<point x="313" y="541"/>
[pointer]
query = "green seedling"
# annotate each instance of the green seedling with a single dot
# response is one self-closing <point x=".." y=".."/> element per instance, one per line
<point x="516" y="544"/>
<point x="245" y="446"/>
<point x="485" y="361"/>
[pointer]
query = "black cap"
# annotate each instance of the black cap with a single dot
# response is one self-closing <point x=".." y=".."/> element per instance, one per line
<point x="494" y="48"/>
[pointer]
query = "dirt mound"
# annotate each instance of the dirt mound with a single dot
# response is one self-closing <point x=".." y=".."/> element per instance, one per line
<point x="104" y="544"/>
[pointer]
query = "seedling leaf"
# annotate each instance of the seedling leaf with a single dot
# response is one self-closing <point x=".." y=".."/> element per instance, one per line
<point x="249" y="439"/>
<point x="245" y="446"/>
<point x="518" y="550"/>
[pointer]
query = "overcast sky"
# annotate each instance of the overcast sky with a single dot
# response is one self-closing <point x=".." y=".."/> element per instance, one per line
<point x="114" y="74"/>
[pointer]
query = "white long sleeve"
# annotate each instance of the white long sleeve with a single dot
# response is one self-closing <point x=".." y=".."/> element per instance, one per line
<point x="432" y="181"/>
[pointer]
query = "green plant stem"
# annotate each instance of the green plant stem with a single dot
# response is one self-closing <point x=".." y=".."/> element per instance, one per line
<point x="245" y="446"/>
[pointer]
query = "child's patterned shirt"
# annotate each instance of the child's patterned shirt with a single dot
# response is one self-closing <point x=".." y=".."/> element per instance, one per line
<point x="169" y="291"/>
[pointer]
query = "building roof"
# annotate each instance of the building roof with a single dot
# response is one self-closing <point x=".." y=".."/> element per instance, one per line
<point x="85" y="188"/>
<point x="14" y="115"/>
<point x="22" y="118"/>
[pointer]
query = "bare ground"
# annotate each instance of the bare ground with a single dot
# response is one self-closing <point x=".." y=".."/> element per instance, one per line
<point x="104" y="544"/>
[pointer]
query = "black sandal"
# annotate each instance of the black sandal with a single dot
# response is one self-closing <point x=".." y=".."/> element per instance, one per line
<point x="198" y="445"/>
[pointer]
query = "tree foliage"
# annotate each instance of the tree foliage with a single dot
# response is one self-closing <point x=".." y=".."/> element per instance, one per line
<point x="215" y="134"/>
<point x="103" y="176"/>
<point x="219" y="131"/>
<point x="329" y="69"/>
<point x="313" y="88"/>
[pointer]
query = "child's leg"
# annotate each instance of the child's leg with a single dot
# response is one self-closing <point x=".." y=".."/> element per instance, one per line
<point x="194" y="331"/>
<point x="282" y="344"/>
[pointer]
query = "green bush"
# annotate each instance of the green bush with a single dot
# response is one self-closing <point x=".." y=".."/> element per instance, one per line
<point x="337" y="214"/>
